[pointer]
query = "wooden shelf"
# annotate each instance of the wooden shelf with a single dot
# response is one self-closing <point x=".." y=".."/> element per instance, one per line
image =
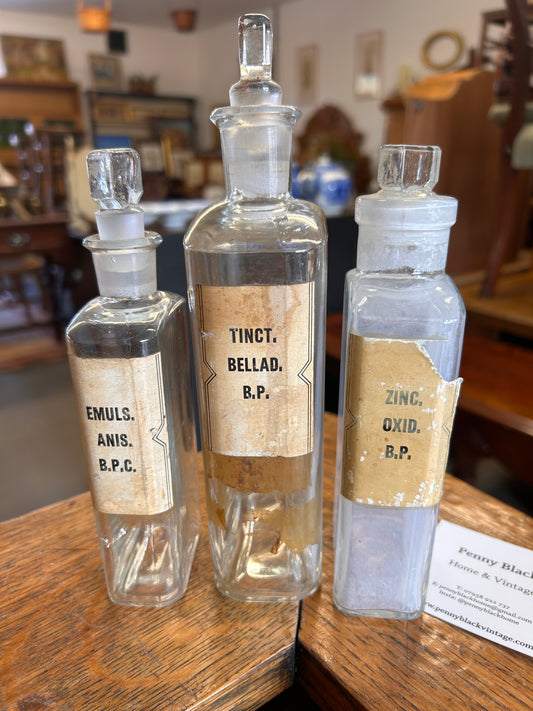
<point x="26" y="84"/>
<point x="161" y="128"/>
<point x="54" y="109"/>
<point x="135" y="115"/>
<point x="42" y="103"/>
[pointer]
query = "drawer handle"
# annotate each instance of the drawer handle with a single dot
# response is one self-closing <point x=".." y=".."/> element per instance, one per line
<point x="18" y="239"/>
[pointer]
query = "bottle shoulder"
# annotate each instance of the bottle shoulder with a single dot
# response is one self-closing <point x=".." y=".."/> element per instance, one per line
<point x="258" y="225"/>
<point x="394" y="293"/>
<point x="402" y="281"/>
<point x="154" y="309"/>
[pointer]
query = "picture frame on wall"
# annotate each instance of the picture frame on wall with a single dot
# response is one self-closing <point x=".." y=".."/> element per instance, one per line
<point x="179" y="131"/>
<point x="152" y="159"/>
<point x="368" y="80"/>
<point x="102" y="140"/>
<point x="33" y="59"/>
<point x="106" y="72"/>
<point x="178" y="143"/>
<point x="307" y="68"/>
<point x="111" y="109"/>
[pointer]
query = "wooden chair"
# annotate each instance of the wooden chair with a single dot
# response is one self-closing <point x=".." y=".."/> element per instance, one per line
<point x="512" y="101"/>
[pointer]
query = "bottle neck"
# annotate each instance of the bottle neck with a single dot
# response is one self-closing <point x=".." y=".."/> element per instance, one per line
<point x="125" y="269"/>
<point x="421" y="251"/>
<point x="404" y="230"/>
<point x="256" y="149"/>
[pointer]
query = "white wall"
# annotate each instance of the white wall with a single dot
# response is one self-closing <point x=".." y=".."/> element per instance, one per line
<point x="204" y="64"/>
<point x="333" y="25"/>
<point x="171" y="56"/>
<point x="218" y="65"/>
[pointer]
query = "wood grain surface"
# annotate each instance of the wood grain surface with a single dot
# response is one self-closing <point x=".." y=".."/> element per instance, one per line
<point x="509" y="310"/>
<point x="498" y="383"/>
<point x="349" y="662"/>
<point x="64" y="646"/>
<point x="495" y="415"/>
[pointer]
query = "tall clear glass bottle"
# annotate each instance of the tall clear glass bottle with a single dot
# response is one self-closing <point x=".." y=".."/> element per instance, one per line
<point x="129" y="357"/>
<point x="402" y="338"/>
<point x="256" y="270"/>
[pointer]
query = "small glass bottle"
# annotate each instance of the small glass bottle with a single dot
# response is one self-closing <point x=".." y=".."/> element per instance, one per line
<point x="403" y="327"/>
<point x="256" y="271"/>
<point x="129" y="357"/>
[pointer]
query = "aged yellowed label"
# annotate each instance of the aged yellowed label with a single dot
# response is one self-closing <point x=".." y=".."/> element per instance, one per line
<point x="260" y="475"/>
<point x="397" y="424"/>
<point x="123" y="418"/>
<point x="257" y="352"/>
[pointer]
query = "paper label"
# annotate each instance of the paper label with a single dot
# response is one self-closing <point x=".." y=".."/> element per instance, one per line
<point x="482" y="585"/>
<point x="257" y="368"/>
<point x="260" y="475"/>
<point x="123" y="419"/>
<point x="397" y="423"/>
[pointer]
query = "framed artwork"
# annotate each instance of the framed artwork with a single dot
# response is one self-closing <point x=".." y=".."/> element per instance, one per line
<point x="307" y="68"/>
<point x="179" y="132"/>
<point x="442" y="50"/>
<point x="215" y="172"/>
<point x="368" y="65"/>
<point x="152" y="159"/>
<point x="33" y="59"/>
<point x="177" y="140"/>
<point x="175" y="160"/>
<point x="102" y="140"/>
<point x="110" y="109"/>
<point x="106" y="72"/>
<point x="194" y="175"/>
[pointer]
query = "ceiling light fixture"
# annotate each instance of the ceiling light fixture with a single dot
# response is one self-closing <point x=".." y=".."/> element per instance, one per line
<point x="184" y="20"/>
<point x="94" y="19"/>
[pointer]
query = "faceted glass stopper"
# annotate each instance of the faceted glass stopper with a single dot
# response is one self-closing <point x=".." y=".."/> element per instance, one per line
<point x="409" y="168"/>
<point x="255" y="47"/>
<point x="115" y="179"/>
<point x="255" y="61"/>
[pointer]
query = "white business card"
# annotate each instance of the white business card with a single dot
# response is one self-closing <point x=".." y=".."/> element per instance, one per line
<point x="482" y="585"/>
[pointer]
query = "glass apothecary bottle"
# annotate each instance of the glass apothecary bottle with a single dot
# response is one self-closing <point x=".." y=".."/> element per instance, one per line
<point x="403" y="327"/>
<point x="256" y="271"/>
<point x="129" y="357"/>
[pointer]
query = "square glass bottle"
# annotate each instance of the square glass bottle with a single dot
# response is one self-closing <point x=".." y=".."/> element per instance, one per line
<point x="129" y="357"/>
<point x="256" y="271"/>
<point x="403" y="326"/>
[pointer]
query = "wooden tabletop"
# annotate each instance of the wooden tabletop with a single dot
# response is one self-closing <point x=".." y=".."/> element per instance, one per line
<point x="65" y="647"/>
<point x="347" y="662"/>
